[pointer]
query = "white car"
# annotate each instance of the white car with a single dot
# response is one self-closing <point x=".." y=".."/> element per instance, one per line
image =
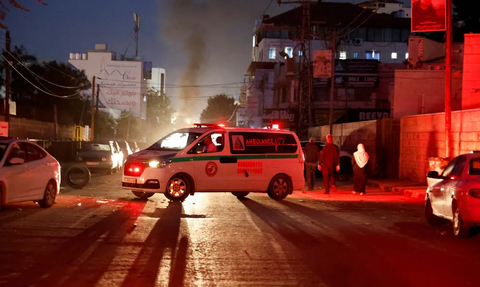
<point x="455" y="196"/>
<point x="27" y="172"/>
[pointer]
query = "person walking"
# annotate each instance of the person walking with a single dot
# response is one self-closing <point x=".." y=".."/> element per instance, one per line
<point x="360" y="164"/>
<point x="328" y="163"/>
<point x="311" y="151"/>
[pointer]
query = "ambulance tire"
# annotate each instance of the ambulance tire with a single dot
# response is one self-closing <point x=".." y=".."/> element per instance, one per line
<point x="280" y="187"/>
<point x="178" y="188"/>
<point x="240" y="195"/>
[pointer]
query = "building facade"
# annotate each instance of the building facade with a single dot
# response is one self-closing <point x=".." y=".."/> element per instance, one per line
<point x="370" y="47"/>
<point x="121" y="83"/>
<point x="391" y="7"/>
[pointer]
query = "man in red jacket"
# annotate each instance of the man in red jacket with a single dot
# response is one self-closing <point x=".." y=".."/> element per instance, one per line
<point x="328" y="163"/>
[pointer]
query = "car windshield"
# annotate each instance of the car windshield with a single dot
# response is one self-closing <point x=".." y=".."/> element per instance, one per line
<point x="175" y="141"/>
<point x="3" y="148"/>
<point x="96" y="147"/>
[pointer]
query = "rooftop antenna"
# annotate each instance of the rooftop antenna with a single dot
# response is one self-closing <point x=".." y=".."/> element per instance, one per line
<point x="136" y="28"/>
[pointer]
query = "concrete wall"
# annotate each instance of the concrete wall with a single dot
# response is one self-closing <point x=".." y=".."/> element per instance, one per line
<point x="423" y="92"/>
<point x="24" y="128"/>
<point x="347" y="136"/>
<point x="471" y="71"/>
<point x="423" y="136"/>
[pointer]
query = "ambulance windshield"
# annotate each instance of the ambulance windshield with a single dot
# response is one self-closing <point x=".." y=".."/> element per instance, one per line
<point x="175" y="141"/>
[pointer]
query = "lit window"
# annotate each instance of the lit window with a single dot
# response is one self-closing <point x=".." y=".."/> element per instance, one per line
<point x="343" y="55"/>
<point x="406" y="55"/>
<point x="394" y="55"/>
<point x="271" y="53"/>
<point x="253" y="40"/>
<point x="300" y="53"/>
<point x="372" y="55"/>
<point x="355" y="55"/>
<point x="289" y="51"/>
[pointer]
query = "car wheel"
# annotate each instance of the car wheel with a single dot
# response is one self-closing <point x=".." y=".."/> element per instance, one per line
<point x="178" y="188"/>
<point x="240" y="195"/>
<point x="431" y="218"/>
<point x="143" y="195"/>
<point x="77" y="176"/>
<point x="280" y="187"/>
<point x="49" y="195"/>
<point x="460" y="229"/>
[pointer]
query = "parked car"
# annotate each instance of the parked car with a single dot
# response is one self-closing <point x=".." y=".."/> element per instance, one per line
<point x="455" y="196"/>
<point x="345" y="159"/>
<point x="119" y="153"/>
<point x="100" y="156"/>
<point x="27" y="172"/>
<point x="133" y="146"/>
<point x="125" y="148"/>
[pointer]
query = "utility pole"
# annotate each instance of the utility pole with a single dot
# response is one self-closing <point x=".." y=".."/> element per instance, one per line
<point x="448" y="82"/>
<point x="8" y="75"/>
<point x="92" y="110"/>
<point x="55" y="126"/>
<point x="96" y="109"/>
<point x="332" y="83"/>
<point x="304" y="36"/>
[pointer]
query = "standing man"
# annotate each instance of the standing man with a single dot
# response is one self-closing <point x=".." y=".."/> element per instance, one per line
<point x="328" y="163"/>
<point x="311" y="151"/>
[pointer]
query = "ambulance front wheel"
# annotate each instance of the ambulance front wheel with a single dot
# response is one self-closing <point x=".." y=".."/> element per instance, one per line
<point x="178" y="188"/>
<point x="280" y="187"/>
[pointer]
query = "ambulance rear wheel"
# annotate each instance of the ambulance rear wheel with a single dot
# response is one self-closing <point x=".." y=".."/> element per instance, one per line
<point x="280" y="187"/>
<point x="240" y="195"/>
<point x="178" y="188"/>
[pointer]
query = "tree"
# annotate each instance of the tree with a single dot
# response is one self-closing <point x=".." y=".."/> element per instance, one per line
<point x="37" y="87"/>
<point x="220" y="108"/>
<point x="159" y="114"/>
<point x="13" y="3"/>
<point x="129" y="127"/>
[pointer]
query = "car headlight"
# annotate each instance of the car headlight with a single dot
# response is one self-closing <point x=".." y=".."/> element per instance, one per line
<point x="157" y="164"/>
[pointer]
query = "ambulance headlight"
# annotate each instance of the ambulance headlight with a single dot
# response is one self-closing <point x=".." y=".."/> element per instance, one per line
<point x="157" y="164"/>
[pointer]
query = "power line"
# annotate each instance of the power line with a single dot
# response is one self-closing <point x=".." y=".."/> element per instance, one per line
<point x="38" y="76"/>
<point x="48" y="93"/>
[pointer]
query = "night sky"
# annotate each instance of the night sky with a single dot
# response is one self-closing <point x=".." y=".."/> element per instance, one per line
<point x="212" y="37"/>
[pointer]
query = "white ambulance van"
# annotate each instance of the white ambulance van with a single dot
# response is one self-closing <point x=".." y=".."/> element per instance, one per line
<point x="212" y="158"/>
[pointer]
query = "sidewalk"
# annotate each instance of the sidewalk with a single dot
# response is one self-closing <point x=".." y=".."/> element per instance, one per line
<point x="380" y="186"/>
<point x="404" y="187"/>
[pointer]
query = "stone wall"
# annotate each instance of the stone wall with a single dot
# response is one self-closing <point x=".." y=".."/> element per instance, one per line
<point x="423" y="92"/>
<point x="423" y="137"/>
<point x="471" y="71"/>
<point x="24" y="128"/>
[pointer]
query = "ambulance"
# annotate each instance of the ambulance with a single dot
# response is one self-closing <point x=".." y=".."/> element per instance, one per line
<point x="214" y="158"/>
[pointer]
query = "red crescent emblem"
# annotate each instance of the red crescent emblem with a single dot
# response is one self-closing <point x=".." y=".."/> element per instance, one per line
<point x="211" y="169"/>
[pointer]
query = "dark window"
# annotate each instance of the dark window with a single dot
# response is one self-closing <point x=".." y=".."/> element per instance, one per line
<point x="162" y="83"/>
<point x="33" y="153"/>
<point x="371" y="35"/>
<point x="405" y="35"/>
<point x="378" y="35"/>
<point x="362" y="33"/>
<point x="261" y="143"/>
<point x="474" y="166"/>
<point x="396" y="35"/>
<point x="449" y="169"/>
<point x="458" y="169"/>
<point x="388" y="35"/>
<point x="285" y="34"/>
<point x="16" y="151"/>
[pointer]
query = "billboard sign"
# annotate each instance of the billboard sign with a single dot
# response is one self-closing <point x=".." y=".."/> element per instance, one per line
<point x="322" y="64"/>
<point x="429" y="15"/>
<point x="3" y="129"/>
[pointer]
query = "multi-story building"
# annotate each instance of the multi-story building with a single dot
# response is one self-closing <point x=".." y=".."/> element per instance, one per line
<point x="157" y="80"/>
<point x="392" y="7"/>
<point x="369" y="47"/>
<point x="122" y="84"/>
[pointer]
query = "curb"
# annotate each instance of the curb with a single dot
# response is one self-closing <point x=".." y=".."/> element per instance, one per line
<point x="415" y="191"/>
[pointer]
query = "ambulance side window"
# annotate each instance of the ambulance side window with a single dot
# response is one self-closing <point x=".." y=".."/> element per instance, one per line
<point x="211" y="143"/>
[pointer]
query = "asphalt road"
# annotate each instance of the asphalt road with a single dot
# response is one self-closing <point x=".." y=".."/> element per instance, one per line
<point x="103" y="236"/>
